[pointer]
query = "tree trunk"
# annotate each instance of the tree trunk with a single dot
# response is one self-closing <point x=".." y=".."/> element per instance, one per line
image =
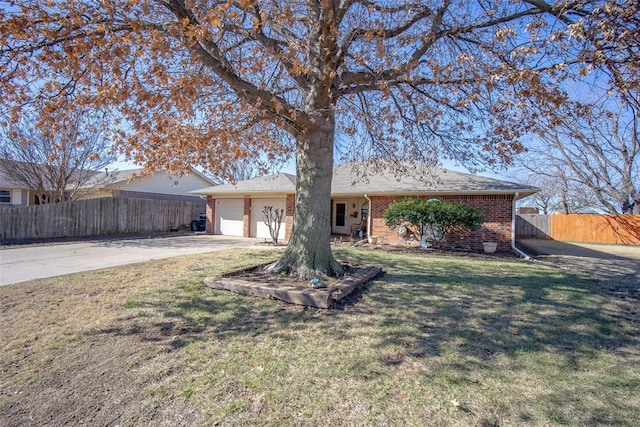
<point x="308" y="253"/>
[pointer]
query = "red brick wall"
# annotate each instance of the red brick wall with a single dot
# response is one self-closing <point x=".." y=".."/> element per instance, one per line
<point x="246" y="218"/>
<point x="527" y="210"/>
<point x="497" y="211"/>
<point x="288" y="220"/>
<point x="211" y="214"/>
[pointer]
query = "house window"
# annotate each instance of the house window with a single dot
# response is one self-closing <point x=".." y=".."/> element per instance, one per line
<point x="5" y="196"/>
<point x="341" y="214"/>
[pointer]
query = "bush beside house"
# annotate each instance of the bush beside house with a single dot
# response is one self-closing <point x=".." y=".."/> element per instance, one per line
<point x="431" y="219"/>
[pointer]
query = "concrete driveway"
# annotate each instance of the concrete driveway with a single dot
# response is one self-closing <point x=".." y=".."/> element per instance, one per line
<point x="617" y="267"/>
<point x="589" y="250"/>
<point x="22" y="263"/>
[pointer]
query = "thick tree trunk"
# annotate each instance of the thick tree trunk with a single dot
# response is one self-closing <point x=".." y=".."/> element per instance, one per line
<point x="308" y="253"/>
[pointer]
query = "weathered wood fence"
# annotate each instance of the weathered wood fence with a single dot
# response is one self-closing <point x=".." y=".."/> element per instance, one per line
<point x="95" y="217"/>
<point x="533" y="226"/>
<point x="588" y="228"/>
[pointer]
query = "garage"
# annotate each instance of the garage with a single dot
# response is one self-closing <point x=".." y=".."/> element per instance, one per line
<point x="229" y="214"/>
<point x="258" y="227"/>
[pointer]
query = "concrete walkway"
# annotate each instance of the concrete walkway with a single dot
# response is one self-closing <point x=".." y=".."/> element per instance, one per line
<point x="22" y="263"/>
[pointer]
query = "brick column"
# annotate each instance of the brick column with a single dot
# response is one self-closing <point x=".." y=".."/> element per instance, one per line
<point x="288" y="220"/>
<point x="378" y="227"/>
<point x="246" y="218"/>
<point x="211" y="214"/>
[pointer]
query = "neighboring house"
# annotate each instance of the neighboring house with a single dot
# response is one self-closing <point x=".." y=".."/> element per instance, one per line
<point x="236" y="209"/>
<point x="158" y="185"/>
<point x="124" y="183"/>
<point x="13" y="194"/>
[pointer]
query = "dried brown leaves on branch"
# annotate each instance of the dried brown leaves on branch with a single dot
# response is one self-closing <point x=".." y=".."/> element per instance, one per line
<point x="206" y="83"/>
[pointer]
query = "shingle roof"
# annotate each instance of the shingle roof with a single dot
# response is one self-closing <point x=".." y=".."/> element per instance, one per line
<point x="117" y="177"/>
<point x="124" y="175"/>
<point x="354" y="179"/>
<point x="414" y="179"/>
<point x="6" y="181"/>
<point x="281" y="183"/>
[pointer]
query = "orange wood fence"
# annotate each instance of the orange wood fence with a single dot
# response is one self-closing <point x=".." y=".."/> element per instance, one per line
<point x="588" y="228"/>
<point x="594" y="228"/>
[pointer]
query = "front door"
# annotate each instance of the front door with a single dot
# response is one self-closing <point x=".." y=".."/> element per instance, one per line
<point x="339" y="221"/>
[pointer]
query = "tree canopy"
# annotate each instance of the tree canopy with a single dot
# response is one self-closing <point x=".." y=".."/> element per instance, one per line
<point x="588" y="159"/>
<point x="194" y="82"/>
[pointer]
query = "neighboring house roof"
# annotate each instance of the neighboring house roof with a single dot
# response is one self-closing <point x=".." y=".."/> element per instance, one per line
<point x="32" y="170"/>
<point x="347" y="182"/>
<point x="128" y="175"/>
<point x="120" y="178"/>
<point x="108" y="178"/>
<point x="5" y="181"/>
<point x="281" y="183"/>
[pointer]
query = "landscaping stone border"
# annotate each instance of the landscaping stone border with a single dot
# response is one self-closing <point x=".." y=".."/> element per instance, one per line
<point x="307" y="296"/>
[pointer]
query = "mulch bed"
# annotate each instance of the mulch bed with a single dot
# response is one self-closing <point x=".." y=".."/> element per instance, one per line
<point x="325" y="294"/>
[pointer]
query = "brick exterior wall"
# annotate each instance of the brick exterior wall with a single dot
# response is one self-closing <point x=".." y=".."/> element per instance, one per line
<point x="527" y="210"/>
<point x="211" y="215"/>
<point x="288" y="220"/>
<point x="246" y="218"/>
<point x="497" y="211"/>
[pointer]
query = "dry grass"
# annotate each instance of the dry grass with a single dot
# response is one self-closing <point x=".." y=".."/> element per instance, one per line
<point x="436" y="341"/>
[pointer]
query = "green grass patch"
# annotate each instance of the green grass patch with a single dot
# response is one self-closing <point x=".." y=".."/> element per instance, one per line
<point x="437" y="340"/>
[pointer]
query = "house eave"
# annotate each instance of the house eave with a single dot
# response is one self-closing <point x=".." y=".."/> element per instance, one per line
<point x="519" y="193"/>
<point x="262" y="194"/>
<point x="240" y="194"/>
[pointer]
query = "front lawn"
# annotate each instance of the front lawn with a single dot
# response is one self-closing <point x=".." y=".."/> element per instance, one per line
<point x="437" y="340"/>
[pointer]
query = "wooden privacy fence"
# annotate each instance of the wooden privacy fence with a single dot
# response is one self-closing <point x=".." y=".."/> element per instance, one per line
<point x="533" y="226"/>
<point x="94" y="217"/>
<point x="588" y="228"/>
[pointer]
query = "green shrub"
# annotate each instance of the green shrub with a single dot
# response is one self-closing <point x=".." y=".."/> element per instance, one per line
<point x="435" y="219"/>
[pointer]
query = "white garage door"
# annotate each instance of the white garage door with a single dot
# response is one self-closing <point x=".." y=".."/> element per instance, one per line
<point x="258" y="227"/>
<point x="229" y="213"/>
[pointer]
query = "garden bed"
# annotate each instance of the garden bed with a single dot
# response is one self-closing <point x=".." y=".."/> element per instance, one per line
<point x="324" y="294"/>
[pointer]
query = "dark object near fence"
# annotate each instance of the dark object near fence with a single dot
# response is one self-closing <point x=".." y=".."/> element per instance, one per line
<point x="200" y="224"/>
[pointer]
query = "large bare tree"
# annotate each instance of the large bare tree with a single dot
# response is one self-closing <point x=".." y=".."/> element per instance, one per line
<point x="558" y="192"/>
<point x="593" y="147"/>
<point x="55" y="166"/>
<point x="211" y="82"/>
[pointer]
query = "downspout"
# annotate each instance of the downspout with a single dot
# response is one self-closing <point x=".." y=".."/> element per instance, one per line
<point x="513" y="230"/>
<point x="368" y="216"/>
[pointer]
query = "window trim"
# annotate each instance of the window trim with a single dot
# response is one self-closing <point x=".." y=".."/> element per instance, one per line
<point x="2" y="196"/>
